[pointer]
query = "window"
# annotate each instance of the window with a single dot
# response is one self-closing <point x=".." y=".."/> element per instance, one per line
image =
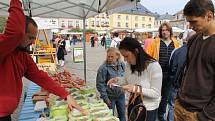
<point x="70" y="23"/>
<point x="127" y="18"/>
<point x="150" y="19"/>
<point x="97" y="23"/>
<point x="118" y="24"/>
<point x="136" y="25"/>
<point x="149" y="26"/>
<point x="77" y="23"/>
<point x="143" y="18"/>
<point x="143" y="25"/>
<point x="63" y="25"/>
<point x="119" y="17"/>
<point x="126" y="24"/>
<point x="136" y="18"/>
<point x="53" y="22"/>
<point x="92" y="23"/>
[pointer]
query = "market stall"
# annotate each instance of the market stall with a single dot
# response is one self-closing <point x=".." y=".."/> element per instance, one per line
<point x="43" y="106"/>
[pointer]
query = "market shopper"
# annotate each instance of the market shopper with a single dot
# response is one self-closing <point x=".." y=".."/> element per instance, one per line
<point x="196" y="97"/>
<point x="61" y="50"/>
<point x="112" y="67"/>
<point x="116" y="40"/>
<point x="15" y="63"/>
<point x="176" y="66"/>
<point x="161" y="49"/>
<point x="141" y="69"/>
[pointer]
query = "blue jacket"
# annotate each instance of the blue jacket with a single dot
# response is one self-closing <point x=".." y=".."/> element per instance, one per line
<point x="177" y="62"/>
<point x="105" y="73"/>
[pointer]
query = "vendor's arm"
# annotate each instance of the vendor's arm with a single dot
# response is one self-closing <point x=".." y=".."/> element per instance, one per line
<point x="42" y="79"/>
<point x="14" y="30"/>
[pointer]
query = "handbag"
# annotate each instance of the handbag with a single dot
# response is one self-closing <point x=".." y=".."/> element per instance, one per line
<point x="136" y="109"/>
<point x="64" y="52"/>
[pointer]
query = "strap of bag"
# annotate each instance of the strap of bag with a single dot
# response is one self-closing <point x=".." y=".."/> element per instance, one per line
<point x="141" y="92"/>
<point x="135" y="94"/>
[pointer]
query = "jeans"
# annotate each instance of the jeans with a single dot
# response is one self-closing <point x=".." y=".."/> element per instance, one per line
<point x="151" y="115"/>
<point x="171" y="103"/>
<point x="166" y="84"/>
<point x="120" y="106"/>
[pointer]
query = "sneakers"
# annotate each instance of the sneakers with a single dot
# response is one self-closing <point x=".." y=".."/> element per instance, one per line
<point x="61" y="63"/>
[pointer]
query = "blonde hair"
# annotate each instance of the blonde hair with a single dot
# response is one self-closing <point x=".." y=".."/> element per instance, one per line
<point x="115" y="50"/>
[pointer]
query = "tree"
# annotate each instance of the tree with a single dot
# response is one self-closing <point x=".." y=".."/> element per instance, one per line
<point x="3" y="21"/>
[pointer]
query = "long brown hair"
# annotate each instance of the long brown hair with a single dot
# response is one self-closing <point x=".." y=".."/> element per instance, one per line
<point x="169" y="28"/>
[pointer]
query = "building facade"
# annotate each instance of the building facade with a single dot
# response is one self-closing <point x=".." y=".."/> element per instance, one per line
<point x="163" y="18"/>
<point x="179" y="21"/>
<point x="126" y="18"/>
<point x="100" y="23"/>
<point x="131" y="21"/>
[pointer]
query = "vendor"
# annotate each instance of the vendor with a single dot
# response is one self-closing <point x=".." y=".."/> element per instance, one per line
<point x="15" y="62"/>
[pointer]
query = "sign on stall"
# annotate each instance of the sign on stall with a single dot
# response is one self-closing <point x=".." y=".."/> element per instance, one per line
<point x="47" y="66"/>
<point x="78" y="54"/>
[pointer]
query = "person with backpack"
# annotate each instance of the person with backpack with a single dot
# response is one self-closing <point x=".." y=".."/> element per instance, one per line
<point x="116" y="40"/>
<point x="111" y="68"/>
<point x="144" y="71"/>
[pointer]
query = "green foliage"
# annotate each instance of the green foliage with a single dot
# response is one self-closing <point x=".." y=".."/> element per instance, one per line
<point x="81" y="30"/>
<point x="75" y="30"/>
<point x="3" y="21"/>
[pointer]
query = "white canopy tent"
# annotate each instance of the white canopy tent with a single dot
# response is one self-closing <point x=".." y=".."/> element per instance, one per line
<point x="77" y="9"/>
<point x="174" y="29"/>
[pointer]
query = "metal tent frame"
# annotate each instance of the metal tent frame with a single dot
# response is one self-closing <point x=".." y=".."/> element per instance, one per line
<point x="76" y="9"/>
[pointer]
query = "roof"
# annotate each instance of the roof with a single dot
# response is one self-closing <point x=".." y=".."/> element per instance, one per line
<point x="179" y="12"/>
<point x="133" y="9"/>
<point x="165" y="16"/>
<point x="78" y="9"/>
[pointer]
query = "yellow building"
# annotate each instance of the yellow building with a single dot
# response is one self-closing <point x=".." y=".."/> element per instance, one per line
<point x="126" y="18"/>
<point x="100" y="23"/>
<point x="131" y="21"/>
<point x="129" y="18"/>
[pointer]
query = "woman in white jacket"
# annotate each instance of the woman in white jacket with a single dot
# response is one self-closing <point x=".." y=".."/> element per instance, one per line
<point x="141" y="69"/>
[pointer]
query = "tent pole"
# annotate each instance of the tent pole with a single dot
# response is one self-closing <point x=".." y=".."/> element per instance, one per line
<point x="84" y="44"/>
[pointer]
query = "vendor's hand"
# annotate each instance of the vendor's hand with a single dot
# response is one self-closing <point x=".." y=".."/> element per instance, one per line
<point x="128" y="88"/>
<point x="73" y="104"/>
<point x="112" y="81"/>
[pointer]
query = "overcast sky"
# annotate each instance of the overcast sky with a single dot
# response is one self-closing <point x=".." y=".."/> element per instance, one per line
<point x="163" y="6"/>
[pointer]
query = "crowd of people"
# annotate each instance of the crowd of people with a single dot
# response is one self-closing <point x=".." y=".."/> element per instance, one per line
<point x="174" y="75"/>
<point x="162" y="73"/>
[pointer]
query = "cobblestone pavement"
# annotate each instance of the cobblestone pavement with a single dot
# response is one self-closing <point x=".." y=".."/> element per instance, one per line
<point x="95" y="56"/>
